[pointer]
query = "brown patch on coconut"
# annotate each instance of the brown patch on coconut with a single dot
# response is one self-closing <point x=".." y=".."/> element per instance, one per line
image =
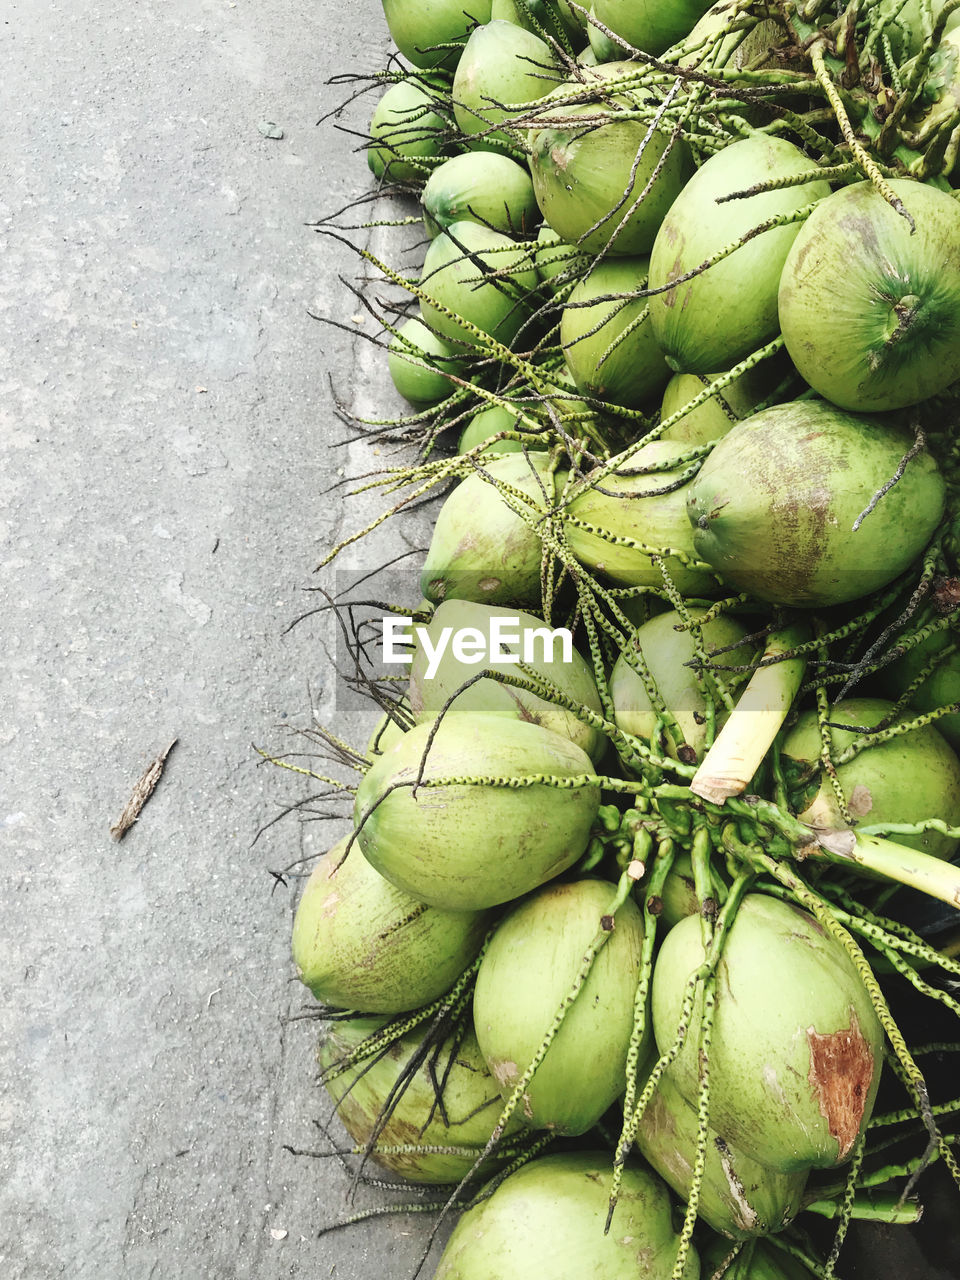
<point x="841" y="1073"/>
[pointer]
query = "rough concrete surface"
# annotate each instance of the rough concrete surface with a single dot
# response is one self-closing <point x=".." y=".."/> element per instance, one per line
<point x="166" y="434"/>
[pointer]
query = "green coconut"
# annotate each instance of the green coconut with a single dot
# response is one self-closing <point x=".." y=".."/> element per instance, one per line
<point x="486" y="188"/>
<point x="656" y="521"/>
<point x="420" y="385"/>
<point x="421" y="29"/>
<point x="609" y="346"/>
<point x="406" y="132"/>
<point x="667" y="653"/>
<point x="774" y="505"/>
<point x="458" y="280"/>
<point x="941" y="688"/>
<point x="557" y="262"/>
<point x="722" y="314"/>
<point x="581" y="170"/>
<point x="548" y="1218"/>
<point x="433" y="681"/>
<point x="487" y="423"/>
<point x="906" y="779"/>
<point x="869" y="306"/>
<point x="648" y="25"/>
<point x="796" y="1048"/>
<point x="526" y="973"/>
<point x="721" y="411"/>
<point x="467" y="845"/>
<point x="481" y="549"/>
<point x="361" y="943"/>
<point x="461" y="1127"/>
<point x="502" y="65"/>
<point x="739" y="1197"/>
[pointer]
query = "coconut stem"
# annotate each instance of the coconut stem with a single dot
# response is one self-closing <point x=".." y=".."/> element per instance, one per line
<point x="887" y="1209"/>
<point x="745" y="739"/>
<point x="866" y="163"/>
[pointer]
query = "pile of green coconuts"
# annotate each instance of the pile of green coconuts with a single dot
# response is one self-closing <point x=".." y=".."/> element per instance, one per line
<point x="638" y="952"/>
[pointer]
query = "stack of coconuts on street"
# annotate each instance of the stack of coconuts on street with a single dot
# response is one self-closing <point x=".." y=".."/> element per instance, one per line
<point x="629" y="932"/>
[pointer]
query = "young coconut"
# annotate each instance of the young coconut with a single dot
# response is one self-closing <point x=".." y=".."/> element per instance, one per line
<point x="466" y="844"/>
<point x="425" y="30"/>
<point x="648" y="25"/>
<point x="489" y="422"/>
<point x="721" y="411"/>
<point x="548" y="1219"/>
<point x="481" y="548"/>
<point x="361" y="943"/>
<point x="440" y="668"/>
<point x="870" y="303"/>
<point x="416" y="383"/>
<point x="501" y="64"/>
<point x="904" y="779"/>
<point x="417" y="1137"/>
<point x="525" y="976"/>
<point x="796" y="1047"/>
<point x="668" y="654"/>
<point x="739" y="1197"/>
<point x="581" y="171"/>
<point x="602" y="526"/>
<point x="482" y="278"/>
<point x="776" y="505"/>
<point x="490" y="189"/>
<point x="723" y="313"/>
<point x="405" y="131"/>
<point x="609" y="346"/>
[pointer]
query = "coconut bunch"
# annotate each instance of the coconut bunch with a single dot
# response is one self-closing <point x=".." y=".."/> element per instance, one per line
<point x="682" y="355"/>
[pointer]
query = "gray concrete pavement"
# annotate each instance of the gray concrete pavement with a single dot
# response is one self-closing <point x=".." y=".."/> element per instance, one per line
<point x="165" y="429"/>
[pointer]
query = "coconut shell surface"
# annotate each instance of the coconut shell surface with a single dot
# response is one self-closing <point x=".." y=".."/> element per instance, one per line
<point x="466" y="845"/>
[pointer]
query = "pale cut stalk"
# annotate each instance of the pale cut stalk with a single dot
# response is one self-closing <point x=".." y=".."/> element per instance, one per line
<point x="881" y="857"/>
<point x="755" y="721"/>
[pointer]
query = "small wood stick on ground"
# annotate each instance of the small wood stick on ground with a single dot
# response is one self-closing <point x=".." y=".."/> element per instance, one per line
<point x="141" y="793"/>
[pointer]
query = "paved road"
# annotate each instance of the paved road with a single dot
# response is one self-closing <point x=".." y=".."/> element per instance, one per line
<point x="166" y="430"/>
